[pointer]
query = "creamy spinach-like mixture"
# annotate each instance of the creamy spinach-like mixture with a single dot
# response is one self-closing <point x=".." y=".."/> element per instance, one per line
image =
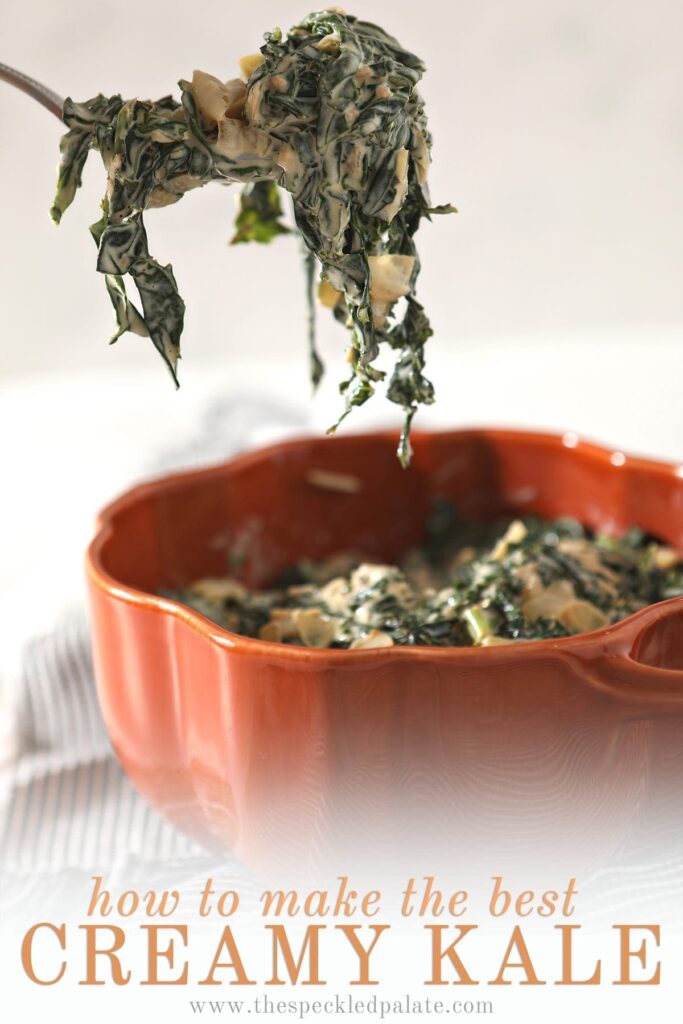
<point x="328" y="112"/>
<point x="467" y="585"/>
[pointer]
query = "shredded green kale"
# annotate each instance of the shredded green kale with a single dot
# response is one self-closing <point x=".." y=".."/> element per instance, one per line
<point x="332" y="115"/>
<point x="258" y="219"/>
<point x="468" y="584"/>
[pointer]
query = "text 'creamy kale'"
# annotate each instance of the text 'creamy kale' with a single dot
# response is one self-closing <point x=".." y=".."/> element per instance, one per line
<point x="331" y="114"/>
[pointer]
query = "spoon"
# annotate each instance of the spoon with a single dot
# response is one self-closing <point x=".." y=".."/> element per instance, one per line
<point x="49" y="99"/>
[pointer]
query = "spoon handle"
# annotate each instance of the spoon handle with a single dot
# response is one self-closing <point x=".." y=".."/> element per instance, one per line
<point x="48" y="98"/>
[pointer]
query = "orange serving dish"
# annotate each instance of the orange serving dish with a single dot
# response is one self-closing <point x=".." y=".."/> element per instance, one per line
<point x="288" y="754"/>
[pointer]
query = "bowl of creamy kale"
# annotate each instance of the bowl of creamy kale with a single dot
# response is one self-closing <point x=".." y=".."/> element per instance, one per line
<point x="282" y="641"/>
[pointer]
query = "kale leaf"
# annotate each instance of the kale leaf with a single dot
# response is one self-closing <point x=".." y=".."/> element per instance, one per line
<point x="330" y="113"/>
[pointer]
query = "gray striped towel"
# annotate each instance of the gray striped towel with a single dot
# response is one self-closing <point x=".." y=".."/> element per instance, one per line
<point x="68" y="810"/>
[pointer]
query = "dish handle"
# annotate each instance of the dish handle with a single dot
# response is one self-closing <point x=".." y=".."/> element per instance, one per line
<point x="643" y="660"/>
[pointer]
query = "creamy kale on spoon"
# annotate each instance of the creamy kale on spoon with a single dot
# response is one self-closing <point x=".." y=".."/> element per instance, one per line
<point x="331" y="114"/>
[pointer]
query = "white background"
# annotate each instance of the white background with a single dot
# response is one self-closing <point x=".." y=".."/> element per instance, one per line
<point x="558" y="130"/>
<point x="555" y="293"/>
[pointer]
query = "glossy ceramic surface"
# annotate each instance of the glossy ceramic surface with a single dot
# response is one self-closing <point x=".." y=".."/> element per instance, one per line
<point x="266" y="747"/>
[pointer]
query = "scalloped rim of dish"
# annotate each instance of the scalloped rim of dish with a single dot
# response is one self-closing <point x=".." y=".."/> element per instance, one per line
<point x="240" y="644"/>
